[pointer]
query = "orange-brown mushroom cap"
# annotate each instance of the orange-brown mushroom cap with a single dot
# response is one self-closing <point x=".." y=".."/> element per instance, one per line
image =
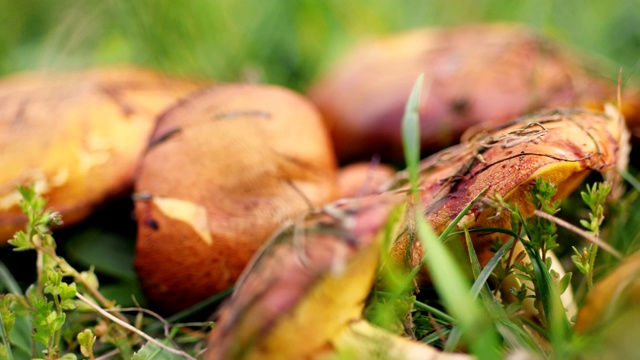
<point x="225" y="169"/>
<point x="77" y="137"/>
<point x="560" y="145"/>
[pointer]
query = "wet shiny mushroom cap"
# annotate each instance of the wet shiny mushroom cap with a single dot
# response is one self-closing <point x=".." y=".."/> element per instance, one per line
<point x="77" y="137"/>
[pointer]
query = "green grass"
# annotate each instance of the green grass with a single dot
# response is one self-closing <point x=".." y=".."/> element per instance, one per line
<point x="284" y="42"/>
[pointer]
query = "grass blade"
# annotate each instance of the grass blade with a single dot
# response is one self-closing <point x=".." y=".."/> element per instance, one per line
<point x="483" y="276"/>
<point x="630" y="179"/>
<point x="453" y="288"/>
<point x="8" y="280"/>
<point x="204" y="304"/>
<point x="557" y="323"/>
<point x="411" y="132"/>
<point x="461" y="214"/>
<point x="424" y="307"/>
<point x="448" y="278"/>
<point x="4" y="337"/>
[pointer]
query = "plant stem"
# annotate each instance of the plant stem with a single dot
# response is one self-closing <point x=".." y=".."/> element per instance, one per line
<point x="5" y="339"/>
<point x="62" y="264"/>
<point x="131" y="328"/>
<point x="58" y="334"/>
<point x="593" y="251"/>
<point x="577" y="230"/>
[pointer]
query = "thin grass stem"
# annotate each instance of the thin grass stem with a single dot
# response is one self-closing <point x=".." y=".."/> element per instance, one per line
<point x="132" y="328"/>
<point x="592" y="239"/>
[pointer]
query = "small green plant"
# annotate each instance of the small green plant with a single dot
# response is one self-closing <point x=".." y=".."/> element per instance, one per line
<point x="67" y="319"/>
<point x="543" y="233"/>
<point x="48" y="302"/>
<point x="86" y="339"/>
<point x="48" y="312"/>
<point x="595" y="198"/>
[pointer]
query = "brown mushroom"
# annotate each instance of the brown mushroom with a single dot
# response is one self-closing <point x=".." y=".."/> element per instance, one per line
<point x="304" y="294"/>
<point x="225" y="169"/>
<point x="561" y="145"/>
<point x="77" y="137"/>
<point x="473" y="74"/>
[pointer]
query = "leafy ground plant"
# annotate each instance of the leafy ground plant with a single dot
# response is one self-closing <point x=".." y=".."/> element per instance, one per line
<point x="69" y="319"/>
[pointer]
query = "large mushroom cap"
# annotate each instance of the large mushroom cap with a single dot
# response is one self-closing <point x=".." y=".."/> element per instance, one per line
<point x="473" y="73"/>
<point x="77" y="137"/>
<point x="225" y="169"/>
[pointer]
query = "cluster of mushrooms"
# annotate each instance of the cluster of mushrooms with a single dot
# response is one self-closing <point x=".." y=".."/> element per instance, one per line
<point x="281" y="188"/>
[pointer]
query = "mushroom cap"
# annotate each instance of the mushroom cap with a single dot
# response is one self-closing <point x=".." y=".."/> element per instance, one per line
<point x="77" y="137"/>
<point x="560" y="145"/>
<point x="225" y="169"/>
<point x="306" y="285"/>
<point x="473" y="73"/>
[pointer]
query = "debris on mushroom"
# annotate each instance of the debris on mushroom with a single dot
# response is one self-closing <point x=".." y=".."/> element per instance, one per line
<point x="77" y="137"/>
<point x="561" y="145"/>
<point x="225" y="169"/>
<point x="473" y="74"/>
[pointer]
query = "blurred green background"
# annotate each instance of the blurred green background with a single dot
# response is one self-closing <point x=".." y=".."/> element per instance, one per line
<point x="286" y="42"/>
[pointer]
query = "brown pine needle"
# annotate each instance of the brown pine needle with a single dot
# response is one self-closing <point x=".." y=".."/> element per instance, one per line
<point x="132" y="328"/>
<point x="596" y="240"/>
